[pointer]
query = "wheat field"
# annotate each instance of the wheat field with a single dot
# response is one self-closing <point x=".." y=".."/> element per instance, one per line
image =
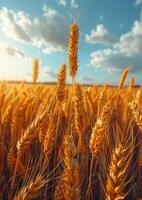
<point x="70" y="142"/>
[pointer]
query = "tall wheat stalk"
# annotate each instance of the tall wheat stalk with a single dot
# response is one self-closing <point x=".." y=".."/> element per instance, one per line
<point x="70" y="178"/>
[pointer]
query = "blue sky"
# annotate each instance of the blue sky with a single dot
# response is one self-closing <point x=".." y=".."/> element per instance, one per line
<point x="110" y="38"/>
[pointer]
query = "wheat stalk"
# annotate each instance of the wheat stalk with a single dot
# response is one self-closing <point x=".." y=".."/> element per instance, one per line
<point x="24" y="142"/>
<point x="97" y="137"/>
<point x="70" y="178"/>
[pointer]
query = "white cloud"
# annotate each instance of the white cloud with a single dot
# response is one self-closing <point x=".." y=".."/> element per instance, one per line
<point x="62" y="2"/>
<point x="49" y="12"/>
<point x="10" y="25"/>
<point x="101" y="36"/>
<point x="38" y="43"/>
<point x="47" y="30"/>
<point x="4" y="49"/>
<point x="131" y="42"/>
<point x="113" y="60"/>
<point x="127" y="51"/>
<point x="138" y="2"/>
<point x="51" y="49"/>
<point x="74" y="4"/>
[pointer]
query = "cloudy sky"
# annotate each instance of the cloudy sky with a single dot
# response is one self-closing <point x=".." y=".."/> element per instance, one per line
<point x="110" y="38"/>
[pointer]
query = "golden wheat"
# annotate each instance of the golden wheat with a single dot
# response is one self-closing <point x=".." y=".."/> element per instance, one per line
<point x="115" y="185"/>
<point x="85" y="142"/>
<point x="61" y="79"/>
<point x="31" y="190"/>
<point x="73" y="50"/>
<point x="35" y="70"/>
<point x="123" y="78"/>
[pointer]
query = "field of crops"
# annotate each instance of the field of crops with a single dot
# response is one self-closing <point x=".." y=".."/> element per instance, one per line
<point x="70" y="143"/>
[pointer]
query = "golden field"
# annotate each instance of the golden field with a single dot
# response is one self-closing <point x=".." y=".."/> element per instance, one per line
<point x="70" y="143"/>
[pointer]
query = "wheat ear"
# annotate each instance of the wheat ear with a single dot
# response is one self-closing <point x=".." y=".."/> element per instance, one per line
<point x="79" y="121"/>
<point x="31" y="190"/>
<point x="73" y="50"/>
<point x="123" y="77"/>
<point x="99" y="130"/>
<point x="115" y="183"/>
<point x="89" y="101"/>
<point x="78" y="108"/>
<point x="49" y="141"/>
<point x="61" y="81"/>
<point x="35" y="64"/>
<point x="59" y="190"/>
<point x="136" y="114"/>
<point x="11" y="160"/>
<point x="132" y="84"/>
